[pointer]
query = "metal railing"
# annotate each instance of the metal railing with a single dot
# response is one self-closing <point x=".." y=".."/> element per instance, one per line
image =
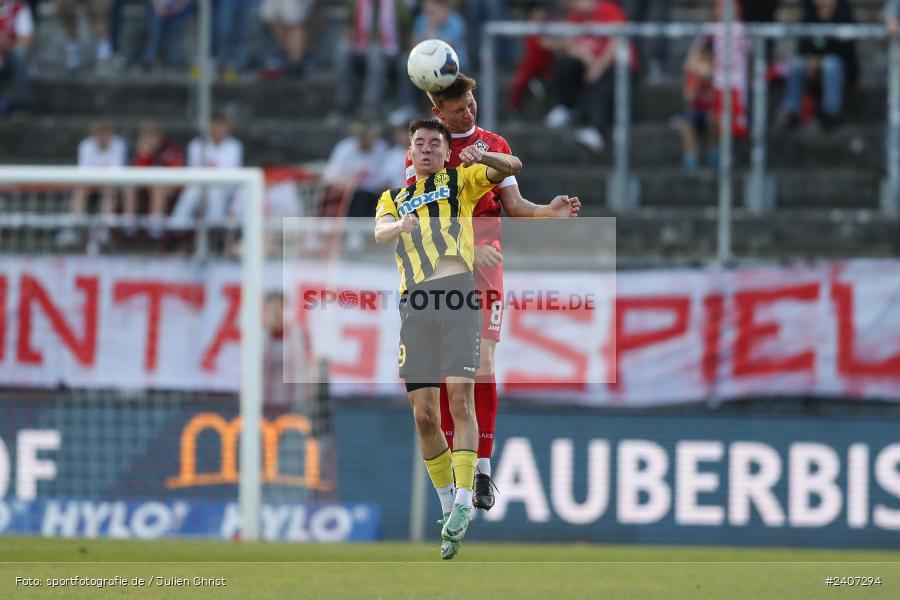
<point x="34" y="215"/>
<point x="622" y="192"/>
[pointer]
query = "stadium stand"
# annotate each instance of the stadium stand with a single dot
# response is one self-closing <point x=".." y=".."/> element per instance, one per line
<point x="827" y="182"/>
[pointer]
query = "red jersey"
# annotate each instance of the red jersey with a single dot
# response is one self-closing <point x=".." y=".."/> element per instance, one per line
<point x="606" y="11"/>
<point x="15" y="21"/>
<point x="487" y="226"/>
<point x="167" y="155"/>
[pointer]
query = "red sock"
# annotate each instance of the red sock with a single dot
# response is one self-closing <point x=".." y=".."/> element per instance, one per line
<point x="446" y="417"/>
<point x="485" y="413"/>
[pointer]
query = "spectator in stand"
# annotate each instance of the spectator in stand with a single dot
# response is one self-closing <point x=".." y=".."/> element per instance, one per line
<point x="289" y="20"/>
<point x="165" y="29"/>
<point x="16" y="33"/>
<point x="699" y="98"/>
<point x="371" y="54"/>
<point x="153" y="149"/>
<point x="438" y="19"/>
<point x="738" y="79"/>
<point x="116" y="20"/>
<point x="355" y="168"/>
<point x="585" y="74"/>
<point x="99" y="13"/>
<point x="102" y="149"/>
<point x="892" y="17"/>
<point x="537" y="59"/>
<point x="832" y="61"/>
<point x="233" y="21"/>
<point x="217" y="204"/>
<point x="478" y="14"/>
<point x="653" y="52"/>
<point x="705" y="89"/>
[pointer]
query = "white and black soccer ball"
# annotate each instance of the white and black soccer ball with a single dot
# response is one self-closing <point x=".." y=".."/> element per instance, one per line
<point x="432" y="66"/>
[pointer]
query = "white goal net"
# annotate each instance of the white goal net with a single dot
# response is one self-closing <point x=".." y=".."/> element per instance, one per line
<point x="132" y="353"/>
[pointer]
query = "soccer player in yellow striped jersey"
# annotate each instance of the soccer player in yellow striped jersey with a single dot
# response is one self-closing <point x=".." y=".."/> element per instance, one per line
<point x="431" y="223"/>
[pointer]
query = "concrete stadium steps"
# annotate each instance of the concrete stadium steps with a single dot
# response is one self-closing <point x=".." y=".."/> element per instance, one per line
<point x="820" y="189"/>
<point x="654" y="238"/>
<point x="166" y="96"/>
<point x="49" y="139"/>
<point x="659" y="145"/>
<point x="314" y="97"/>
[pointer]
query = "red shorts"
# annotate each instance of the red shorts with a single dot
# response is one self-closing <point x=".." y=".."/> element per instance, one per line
<point x="489" y="281"/>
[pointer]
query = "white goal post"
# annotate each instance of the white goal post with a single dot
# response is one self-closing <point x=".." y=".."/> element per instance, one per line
<point x="252" y="181"/>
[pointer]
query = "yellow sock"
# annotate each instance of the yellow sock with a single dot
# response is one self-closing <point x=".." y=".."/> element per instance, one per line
<point x="440" y="469"/>
<point x="464" y="468"/>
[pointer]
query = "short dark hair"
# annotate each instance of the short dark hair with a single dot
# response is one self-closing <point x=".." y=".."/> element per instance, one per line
<point x="432" y="124"/>
<point x="459" y="88"/>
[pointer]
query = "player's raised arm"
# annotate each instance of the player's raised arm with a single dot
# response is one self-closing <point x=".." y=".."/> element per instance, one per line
<point x="559" y="208"/>
<point x="500" y="166"/>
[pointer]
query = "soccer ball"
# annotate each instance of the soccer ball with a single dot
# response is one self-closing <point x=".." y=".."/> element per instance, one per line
<point x="432" y="66"/>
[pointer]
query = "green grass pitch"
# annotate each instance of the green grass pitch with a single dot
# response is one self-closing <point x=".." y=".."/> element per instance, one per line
<point x="414" y="571"/>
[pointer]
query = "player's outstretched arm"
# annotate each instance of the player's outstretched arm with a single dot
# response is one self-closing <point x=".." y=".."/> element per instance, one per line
<point x="388" y="228"/>
<point x="500" y="166"/>
<point x="560" y="207"/>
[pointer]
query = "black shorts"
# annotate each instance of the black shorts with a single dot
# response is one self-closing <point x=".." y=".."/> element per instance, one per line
<point x="440" y="331"/>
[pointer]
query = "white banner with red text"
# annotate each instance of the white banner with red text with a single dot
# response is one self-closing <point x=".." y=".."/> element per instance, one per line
<point x="636" y="338"/>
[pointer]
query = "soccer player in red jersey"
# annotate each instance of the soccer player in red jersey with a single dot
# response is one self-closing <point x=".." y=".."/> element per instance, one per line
<point x="456" y="108"/>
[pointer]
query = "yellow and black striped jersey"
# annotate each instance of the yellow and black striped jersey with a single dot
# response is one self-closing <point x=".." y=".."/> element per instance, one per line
<point x="443" y="203"/>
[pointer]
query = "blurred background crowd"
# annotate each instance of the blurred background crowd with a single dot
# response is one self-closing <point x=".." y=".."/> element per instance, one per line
<point x="333" y="73"/>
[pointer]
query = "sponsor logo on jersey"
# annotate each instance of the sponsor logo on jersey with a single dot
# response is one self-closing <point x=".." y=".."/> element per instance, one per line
<point x="416" y="202"/>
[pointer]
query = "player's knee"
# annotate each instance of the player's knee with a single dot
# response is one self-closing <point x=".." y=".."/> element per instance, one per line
<point x="462" y="406"/>
<point x="428" y="421"/>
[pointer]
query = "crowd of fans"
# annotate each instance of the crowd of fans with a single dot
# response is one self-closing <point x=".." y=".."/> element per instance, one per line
<point x="144" y="210"/>
<point x="574" y="78"/>
<point x="369" y="59"/>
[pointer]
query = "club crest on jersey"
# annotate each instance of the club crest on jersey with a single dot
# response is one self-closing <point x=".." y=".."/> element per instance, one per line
<point x="441" y="179"/>
<point x="416" y="202"/>
<point x="481" y="145"/>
